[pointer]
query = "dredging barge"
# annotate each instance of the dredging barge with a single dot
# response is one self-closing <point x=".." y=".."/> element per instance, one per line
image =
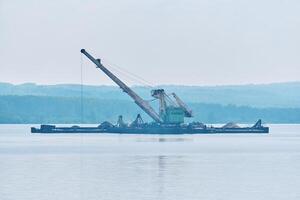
<point x="191" y="128"/>
<point x="169" y="119"/>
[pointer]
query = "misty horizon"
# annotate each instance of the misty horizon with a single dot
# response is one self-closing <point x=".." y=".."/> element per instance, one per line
<point x="191" y="43"/>
<point x="140" y="85"/>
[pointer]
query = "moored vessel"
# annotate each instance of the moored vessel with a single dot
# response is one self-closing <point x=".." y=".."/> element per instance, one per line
<point x="168" y="120"/>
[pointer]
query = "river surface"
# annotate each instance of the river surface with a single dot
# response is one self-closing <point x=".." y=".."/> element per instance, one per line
<point x="142" y="167"/>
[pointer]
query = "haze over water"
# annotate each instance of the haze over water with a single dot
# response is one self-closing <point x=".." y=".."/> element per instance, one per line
<point x="108" y="166"/>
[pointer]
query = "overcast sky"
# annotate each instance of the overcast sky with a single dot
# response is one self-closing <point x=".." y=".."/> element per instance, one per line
<point x="191" y="42"/>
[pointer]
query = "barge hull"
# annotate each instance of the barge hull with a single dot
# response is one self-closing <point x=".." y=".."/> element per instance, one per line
<point x="48" y="129"/>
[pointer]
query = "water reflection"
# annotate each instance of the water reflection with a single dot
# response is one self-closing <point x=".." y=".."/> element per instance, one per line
<point x="161" y="174"/>
<point x="156" y="170"/>
<point x="164" y="139"/>
<point x="144" y="167"/>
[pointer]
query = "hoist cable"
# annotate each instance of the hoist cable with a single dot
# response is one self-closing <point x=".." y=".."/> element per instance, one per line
<point x="129" y="74"/>
<point x="81" y="89"/>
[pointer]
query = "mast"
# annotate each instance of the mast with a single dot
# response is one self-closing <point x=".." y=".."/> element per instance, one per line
<point x="144" y="105"/>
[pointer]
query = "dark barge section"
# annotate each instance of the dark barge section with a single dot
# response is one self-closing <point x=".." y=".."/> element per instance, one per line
<point x="153" y="129"/>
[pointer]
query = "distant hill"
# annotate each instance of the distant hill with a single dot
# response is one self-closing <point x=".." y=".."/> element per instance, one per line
<point x="31" y="103"/>
<point x="279" y="95"/>
<point x="47" y="109"/>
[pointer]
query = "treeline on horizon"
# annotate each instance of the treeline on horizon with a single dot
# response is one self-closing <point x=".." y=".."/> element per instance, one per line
<point x="31" y="109"/>
<point x="279" y="95"/>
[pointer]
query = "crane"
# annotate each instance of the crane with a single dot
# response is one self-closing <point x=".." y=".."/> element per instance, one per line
<point x="144" y="105"/>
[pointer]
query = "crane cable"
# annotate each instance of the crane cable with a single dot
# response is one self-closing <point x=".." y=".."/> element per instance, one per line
<point x="81" y="122"/>
<point x="129" y="75"/>
<point x="81" y="89"/>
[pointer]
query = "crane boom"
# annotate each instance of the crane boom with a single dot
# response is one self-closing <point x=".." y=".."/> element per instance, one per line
<point x="144" y="105"/>
<point x="187" y="111"/>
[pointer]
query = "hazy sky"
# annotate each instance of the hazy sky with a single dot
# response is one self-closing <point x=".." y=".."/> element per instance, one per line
<point x="191" y="42"/>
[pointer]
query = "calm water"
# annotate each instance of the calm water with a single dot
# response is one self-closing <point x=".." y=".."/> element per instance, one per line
<point x="141" y="167"/>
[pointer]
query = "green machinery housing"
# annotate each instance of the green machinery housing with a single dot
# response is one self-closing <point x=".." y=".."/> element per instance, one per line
<point x="170" y="111"/>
